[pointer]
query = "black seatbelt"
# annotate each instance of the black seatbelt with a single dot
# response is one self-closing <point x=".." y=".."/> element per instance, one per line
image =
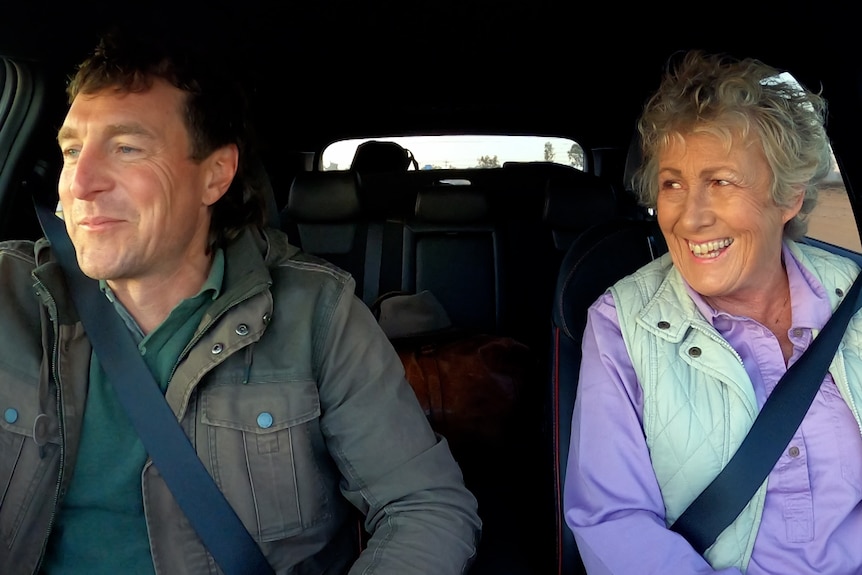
<point x="206" y="508"/>
<point x="728" y="494"/>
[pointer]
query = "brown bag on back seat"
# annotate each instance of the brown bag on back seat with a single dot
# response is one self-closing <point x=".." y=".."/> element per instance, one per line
<point x="468" y="383"/>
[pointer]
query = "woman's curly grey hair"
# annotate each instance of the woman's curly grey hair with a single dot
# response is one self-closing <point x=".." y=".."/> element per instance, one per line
<point x="731" y="98"/>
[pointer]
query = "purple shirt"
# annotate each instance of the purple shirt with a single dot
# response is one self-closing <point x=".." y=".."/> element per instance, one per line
<point x="812" y="520"/>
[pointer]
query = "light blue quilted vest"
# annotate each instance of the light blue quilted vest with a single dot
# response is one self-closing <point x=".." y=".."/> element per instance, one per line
<point x="698" y="400"/>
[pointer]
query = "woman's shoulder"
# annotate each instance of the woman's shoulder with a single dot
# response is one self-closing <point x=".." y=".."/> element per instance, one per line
<point x="823" y="261"/>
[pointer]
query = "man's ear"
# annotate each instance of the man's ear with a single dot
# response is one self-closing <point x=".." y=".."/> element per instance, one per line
<point x="221" y="169"/>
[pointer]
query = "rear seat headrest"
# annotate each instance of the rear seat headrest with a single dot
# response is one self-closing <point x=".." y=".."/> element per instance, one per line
<point x="257" y="177"/>
<point x="455" y="205"/>
<point x="324" y="197"/>
<point x="634" y="159"/>
<point x="382" y="156"/>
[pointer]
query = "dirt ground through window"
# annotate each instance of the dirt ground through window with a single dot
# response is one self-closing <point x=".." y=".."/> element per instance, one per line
<point x="832" y="220"/>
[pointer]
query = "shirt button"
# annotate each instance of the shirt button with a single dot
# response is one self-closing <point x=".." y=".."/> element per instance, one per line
<point x="793" y="451"/>
<point x="797" y="332"/>
<point x="264" y="420"/>
<point x="242" y="329"/>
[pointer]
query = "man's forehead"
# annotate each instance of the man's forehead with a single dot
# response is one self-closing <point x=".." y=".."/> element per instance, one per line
<point x="123" y="112"/>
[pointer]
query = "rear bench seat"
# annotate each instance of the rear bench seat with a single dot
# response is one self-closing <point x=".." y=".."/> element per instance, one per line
<point x="489" y="249"/>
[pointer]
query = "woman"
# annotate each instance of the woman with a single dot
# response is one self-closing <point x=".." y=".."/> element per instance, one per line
<point x="679" y="357"/>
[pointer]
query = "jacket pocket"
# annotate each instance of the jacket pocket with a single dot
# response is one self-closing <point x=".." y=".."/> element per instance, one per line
<point x="23" y="464"/>
<point x="263" y="442"/>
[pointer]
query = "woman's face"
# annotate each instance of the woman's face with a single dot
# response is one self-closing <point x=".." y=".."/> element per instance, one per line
<point x="717" y="215"/>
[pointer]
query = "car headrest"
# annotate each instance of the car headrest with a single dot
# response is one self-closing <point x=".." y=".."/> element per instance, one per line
<point x="257" y="177"/>
<point x="634" y="158"/>
<point x="451" y="205"/>
<point x="331" y="196"/>
<point x="380" y="156"/>
<point x="577" y="205"/>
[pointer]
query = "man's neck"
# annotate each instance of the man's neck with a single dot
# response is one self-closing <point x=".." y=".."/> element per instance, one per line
<point x="151" y="300"/>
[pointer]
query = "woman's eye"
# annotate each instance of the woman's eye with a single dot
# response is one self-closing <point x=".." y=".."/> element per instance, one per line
<point x="722" y="183"/>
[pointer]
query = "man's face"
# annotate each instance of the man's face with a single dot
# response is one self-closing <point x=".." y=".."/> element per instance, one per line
<point x="136" y="206"/>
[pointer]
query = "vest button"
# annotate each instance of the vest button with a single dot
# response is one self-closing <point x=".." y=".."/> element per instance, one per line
<point x="694" y="351"/>
<point x="663" y="324"/>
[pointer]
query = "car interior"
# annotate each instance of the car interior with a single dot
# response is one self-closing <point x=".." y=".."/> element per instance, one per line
<point x="517" y="250"/>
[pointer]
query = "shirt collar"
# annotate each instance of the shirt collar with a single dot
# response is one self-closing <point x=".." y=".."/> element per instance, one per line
<point x="212" y="284"/>
<point x="213" y="281"/>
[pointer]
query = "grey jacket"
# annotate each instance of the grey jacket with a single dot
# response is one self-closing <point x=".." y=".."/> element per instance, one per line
<point x="287" y="337"/>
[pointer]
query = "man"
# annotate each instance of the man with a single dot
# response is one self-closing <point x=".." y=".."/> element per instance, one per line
<point x="234" y="324"/>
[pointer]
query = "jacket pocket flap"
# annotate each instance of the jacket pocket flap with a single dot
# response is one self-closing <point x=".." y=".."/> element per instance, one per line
<point x="19" y="403"/>
<point x="260" y="407"/>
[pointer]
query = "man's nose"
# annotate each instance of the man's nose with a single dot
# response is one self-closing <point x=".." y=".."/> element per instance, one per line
<point x="90" y="173"/>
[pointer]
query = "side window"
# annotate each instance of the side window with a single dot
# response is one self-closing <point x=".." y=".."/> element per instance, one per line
<point x="832" y="220"/>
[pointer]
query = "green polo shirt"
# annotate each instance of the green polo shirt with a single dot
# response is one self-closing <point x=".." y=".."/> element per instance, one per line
<point x="100" y="528"/>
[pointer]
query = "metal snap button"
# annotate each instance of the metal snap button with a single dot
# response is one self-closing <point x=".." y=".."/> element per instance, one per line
<point x="264" y="420"/>
<point x="267" y="317"/>
<point x="242" y="329"/>
<point x="217" y="349"/>
<point x="839" y="292"/>
<point x="694" y="351"/>
<point x="663" y="324"/>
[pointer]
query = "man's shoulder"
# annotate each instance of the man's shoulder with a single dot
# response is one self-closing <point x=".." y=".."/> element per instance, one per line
<point x="18" y="252"/>
<point x="284" y="258"/>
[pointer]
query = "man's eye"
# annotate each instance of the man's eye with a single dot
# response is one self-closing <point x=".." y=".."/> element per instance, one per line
<point x="127" y="149"/>
<point x="71" y="152"/>
<point x="722" y="183"/>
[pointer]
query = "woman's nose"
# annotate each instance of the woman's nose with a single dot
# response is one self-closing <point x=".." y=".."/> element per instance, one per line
<point x="698" y="210"/>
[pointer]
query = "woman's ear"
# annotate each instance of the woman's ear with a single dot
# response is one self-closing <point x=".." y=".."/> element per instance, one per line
<point x="793" y="208"/>
<point x="222" y="165"/>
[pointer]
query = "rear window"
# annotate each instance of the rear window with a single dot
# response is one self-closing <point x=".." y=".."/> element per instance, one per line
<point x="457" y="152"/>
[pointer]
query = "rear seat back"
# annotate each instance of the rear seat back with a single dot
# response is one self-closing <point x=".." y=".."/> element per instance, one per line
<point x="451" y="249"/>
